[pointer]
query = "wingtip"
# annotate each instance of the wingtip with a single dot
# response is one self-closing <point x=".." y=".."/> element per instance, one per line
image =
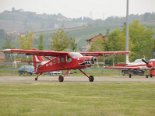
<point x="5" y="50"/>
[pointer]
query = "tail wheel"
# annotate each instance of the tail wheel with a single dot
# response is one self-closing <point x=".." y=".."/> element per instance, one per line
<point x="61" y="78"/>
<point x="151" y="75"/>
<point x="37" y="76"/>
<point x="91" y="78"/>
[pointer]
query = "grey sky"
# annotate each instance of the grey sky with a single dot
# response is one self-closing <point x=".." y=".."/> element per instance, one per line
<point x="78" y="8"/>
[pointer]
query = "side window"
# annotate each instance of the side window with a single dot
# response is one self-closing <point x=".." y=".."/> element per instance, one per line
<point x="58" y="60"/>
<point x="62" y="59"/>
<point x="68" y="59"/>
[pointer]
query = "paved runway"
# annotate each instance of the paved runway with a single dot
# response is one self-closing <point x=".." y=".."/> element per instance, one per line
<point x="43" y="79"/>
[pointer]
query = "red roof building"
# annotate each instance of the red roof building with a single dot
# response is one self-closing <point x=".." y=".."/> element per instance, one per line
<point x="96" y="37"/>
<point x="93" y="39"/>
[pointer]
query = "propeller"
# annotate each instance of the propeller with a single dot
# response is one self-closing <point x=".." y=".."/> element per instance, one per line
<point x="149" y="64"/>
<point x="93" y="60"/>
<point x="89" y="62"/>
<point x="145" y="61"/>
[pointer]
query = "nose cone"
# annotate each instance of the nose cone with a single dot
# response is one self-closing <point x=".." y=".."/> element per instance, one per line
<point x="93" y="60"/>
<point x="87" y="60"/>
<point x="148" y="64"/>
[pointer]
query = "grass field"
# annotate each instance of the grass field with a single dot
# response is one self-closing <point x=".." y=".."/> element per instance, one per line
<point x="77" y="99"/>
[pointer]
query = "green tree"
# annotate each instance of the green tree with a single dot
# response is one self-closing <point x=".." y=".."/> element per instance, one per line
<point x="26" y="41"/>
<point x="41" y="42"/>
<point x="73" y="44"/>
<point x="98" y="45"/>
<point x="60" y="41"/>
<point x="7" y="44"/>
<point x="116" y="40"/>
<point x="141" y="40"/>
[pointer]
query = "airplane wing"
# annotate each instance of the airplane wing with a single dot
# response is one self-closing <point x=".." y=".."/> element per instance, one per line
<point x="36" y="52"/>
<point x="104" y="53"/>
<point x="122" y="67"/>
<point x="60" y="53"/>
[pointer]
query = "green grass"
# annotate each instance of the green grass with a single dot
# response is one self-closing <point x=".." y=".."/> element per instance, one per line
<point x="77" y="99"/>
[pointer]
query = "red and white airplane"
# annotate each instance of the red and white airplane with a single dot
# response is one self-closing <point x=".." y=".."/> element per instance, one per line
<point x="137" y="65"/>
<point x="58" y="60"/>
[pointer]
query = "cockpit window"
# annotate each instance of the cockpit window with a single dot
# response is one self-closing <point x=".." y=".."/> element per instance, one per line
<point x="68" y="59"/>
<point x="75" y="54"/>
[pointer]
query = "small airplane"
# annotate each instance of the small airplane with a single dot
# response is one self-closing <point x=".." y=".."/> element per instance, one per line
<point x="58" y="60"/>
<point x="137" y="65"/>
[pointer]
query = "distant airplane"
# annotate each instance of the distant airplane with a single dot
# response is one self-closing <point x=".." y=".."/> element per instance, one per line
<point x="58" y="60"/>
<point x="138" y="64"/>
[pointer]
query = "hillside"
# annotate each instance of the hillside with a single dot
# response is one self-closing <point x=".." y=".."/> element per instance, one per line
<point x="16" y="22"/>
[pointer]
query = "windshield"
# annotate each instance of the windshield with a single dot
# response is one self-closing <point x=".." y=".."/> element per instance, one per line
<point x="138" y="61"/>
<point x="75" y="54"/>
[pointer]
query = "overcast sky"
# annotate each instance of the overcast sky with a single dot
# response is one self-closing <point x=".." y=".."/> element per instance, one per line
<point x="77" y="8"/>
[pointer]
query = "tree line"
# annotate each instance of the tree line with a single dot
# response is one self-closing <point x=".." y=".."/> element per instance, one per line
<point x="60" y="41"/>
<point x="141" y="41"/>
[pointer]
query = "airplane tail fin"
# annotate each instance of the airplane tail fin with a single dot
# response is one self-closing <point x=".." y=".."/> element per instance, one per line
<point x="36" y="62"/>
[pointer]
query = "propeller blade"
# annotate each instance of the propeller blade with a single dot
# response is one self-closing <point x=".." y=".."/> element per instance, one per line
<point x="145" y="61"/>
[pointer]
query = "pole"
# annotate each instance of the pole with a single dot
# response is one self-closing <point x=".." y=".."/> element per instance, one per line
<point x="127" y="32"/>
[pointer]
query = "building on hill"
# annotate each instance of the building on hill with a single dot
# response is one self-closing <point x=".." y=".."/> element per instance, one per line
<point x="94" y="39"/>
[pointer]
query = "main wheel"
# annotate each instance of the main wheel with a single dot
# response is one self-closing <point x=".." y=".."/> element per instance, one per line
<point x="91" y="78"/>
<point x="151" y="75"/>
<point x="147" y="76"/>
<point x="36" y="78"/>
<point x="61" y="78"/>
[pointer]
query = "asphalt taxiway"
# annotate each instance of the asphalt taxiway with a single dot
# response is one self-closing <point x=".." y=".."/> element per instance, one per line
<point x="42" y="79"/>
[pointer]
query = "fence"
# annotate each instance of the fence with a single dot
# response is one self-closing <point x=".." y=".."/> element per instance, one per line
<point x="11" y="68"/>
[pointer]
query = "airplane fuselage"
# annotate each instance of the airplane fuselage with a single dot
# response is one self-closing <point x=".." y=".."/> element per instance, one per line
<point x="71" y="61"/>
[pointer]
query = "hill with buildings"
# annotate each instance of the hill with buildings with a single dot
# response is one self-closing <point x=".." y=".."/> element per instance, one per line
<point x="16" y="22"/>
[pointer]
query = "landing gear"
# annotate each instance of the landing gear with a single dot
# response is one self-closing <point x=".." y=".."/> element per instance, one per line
<point x="37" y="77"/>
<point x="61" y="78"/>
<point x="147" y="76"/>
<point x="91" y="78"/>
<point x="130" y="75"/>
<point x="151" y="75"/>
